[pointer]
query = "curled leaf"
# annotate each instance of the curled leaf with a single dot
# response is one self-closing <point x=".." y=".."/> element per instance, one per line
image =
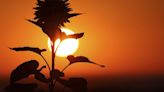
<point x="36" y="50"/>
<point x="24" y="70"/>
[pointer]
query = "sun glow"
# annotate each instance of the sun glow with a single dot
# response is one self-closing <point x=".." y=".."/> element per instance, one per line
<point x="67" y="46"/>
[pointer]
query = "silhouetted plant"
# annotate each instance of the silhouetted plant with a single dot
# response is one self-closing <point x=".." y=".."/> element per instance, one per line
<point x="50" y="16"/>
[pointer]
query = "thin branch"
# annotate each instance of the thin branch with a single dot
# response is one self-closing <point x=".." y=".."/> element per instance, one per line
<point x="65" y="68"/>
<point x="46" y="62"/>
<point x="57" y="47"/>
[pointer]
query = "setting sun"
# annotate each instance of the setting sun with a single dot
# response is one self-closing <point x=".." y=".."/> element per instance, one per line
<point x="67" y="46"/>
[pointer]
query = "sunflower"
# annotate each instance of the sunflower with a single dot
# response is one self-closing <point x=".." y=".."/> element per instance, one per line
<point x="50" y="15"/>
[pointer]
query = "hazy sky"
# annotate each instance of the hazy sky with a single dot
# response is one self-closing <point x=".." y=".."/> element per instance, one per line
<point x="125" y="35"/>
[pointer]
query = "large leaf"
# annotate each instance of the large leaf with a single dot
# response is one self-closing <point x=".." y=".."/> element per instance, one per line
<point x="78" y="59"/>
<point x="24" y="70"/>
<point x="33" y="49"/>
<point x="75" y="84"/>
<point x="36" y="50"/>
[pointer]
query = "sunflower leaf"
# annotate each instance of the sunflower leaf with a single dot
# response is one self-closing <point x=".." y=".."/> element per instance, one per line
<point x="24" y="70"/>
<point x="78" y="59"/>
<point x="36" y="50"/>
<point x="75" y="36"/>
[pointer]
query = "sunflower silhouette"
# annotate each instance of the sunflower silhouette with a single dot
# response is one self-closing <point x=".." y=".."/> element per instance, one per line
<point x="50" y="16"/>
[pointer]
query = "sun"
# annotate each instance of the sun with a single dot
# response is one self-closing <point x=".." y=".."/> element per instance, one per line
<point x="67" y="47"/>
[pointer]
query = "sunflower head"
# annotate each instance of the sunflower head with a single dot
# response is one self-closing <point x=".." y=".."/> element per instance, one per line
<point x="50" y="15"/>
<point x="53" y="11"/>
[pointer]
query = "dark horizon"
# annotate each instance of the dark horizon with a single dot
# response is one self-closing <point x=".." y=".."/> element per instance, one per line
<point x="113" y="84"/>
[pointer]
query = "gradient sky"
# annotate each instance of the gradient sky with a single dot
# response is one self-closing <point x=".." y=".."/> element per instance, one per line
<point x="125" y="35"/>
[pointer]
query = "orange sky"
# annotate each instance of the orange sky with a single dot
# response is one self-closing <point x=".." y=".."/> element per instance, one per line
<point x="125" y="35"/>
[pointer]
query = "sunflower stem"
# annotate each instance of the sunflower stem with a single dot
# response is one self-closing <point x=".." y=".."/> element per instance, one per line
<point x="53" y="67"/>
<point x="54" y="58"/>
